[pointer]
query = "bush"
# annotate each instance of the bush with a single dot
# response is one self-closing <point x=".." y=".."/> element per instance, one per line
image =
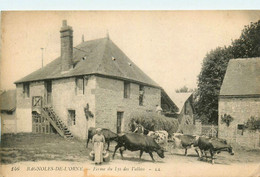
<point x="253" y="123"/>
<point x="154" y="122"/>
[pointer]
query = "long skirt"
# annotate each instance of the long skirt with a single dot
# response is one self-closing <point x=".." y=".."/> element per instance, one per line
<point x="98" y="149"/>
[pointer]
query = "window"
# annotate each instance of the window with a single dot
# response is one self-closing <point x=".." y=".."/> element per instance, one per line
<point x="80" y="88"/>
<point x="186" y="108"/>
<point x="240" y="129"/>
<point x="72" y="118"/>
<point x="141" y="95"/>
<point x="126" y="90"/>
<point x="26" y="90"/>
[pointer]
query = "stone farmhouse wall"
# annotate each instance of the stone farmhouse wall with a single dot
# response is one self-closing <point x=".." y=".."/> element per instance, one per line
<point x="110" y="100"/>
<point x="24" y="105"/>
<point x="105" y="98"/>
<point x="241" y="109"/>
<point x="64" y="98"/>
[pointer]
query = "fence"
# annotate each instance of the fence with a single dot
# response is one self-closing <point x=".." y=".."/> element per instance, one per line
<point x="209" y="130"/>
<point x="249" y="139"/>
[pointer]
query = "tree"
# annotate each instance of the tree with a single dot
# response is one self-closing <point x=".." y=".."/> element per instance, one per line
<point x="184" y="89"/>
<point x="214" y="67"/>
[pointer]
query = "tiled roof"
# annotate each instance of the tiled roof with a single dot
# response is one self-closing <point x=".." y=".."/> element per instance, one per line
<point x="179" y="99"/>
<point x="8" y="100"/>
<point x="101" y="56"/>
<point x="242" y="77"/>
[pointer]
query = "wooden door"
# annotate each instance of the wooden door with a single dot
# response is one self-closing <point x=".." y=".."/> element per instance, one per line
<point x="39" y="123"/>
<point x="119" y="121"/>
<point x="37" y="103"/>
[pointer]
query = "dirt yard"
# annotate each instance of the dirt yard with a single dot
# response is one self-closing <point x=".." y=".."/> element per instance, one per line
<point x="24" y="149"/>
<point x="37" y="147"/>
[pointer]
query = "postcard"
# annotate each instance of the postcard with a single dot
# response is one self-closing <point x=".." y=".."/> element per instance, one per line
<point x="130" y="93"/>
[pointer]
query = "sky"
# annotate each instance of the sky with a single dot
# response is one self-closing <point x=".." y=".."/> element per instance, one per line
<point x="169" y="46"/>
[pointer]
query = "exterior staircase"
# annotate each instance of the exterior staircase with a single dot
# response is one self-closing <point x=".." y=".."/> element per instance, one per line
<point x="56" y="122"/>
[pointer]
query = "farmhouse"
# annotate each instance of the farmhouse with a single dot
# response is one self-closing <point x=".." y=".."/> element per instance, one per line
<point x="240" y="98"/>
<point x="8" y="111"/>
<point x="184" y="102"/>
<point x="91" y="85"/>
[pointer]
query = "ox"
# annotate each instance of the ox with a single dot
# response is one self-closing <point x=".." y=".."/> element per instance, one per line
<point x="136" y="142"/>
<point x="185" y="141"/>
<point x="214" y="146"/>
<point x="108" y="134"/>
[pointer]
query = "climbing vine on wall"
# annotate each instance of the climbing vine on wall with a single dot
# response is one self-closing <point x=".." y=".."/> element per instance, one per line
<point x="226" y="118"/>
<point x="253" y="123"/>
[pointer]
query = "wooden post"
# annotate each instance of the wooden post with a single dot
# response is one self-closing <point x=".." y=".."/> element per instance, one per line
<point x="212" y="130"/>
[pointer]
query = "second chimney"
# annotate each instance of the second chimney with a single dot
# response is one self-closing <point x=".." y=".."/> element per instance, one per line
<point x="66" y="35"/>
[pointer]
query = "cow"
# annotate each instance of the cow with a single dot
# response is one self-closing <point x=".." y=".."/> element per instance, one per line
<point x="214" y="146"/>
<point x="136" y="142"/>
<point x="108" y="134"/>
<point x="160" y="137"/>
<point x="185" y="141"/>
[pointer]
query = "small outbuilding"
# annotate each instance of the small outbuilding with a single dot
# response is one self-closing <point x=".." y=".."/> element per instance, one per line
<point x="239" y="100"/>
<point x="8" y="111"/>
<point x="184" y="102"/>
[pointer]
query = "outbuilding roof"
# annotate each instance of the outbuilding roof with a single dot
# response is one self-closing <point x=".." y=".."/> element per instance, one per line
<point x="97" y="57"/>
<point x="8" y="100"/>
<point x="242" y="78"/>
<point x="179" y="99"/>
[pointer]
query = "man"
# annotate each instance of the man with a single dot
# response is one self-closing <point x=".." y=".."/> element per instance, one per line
<point x="158" y="109"/>
<point x="139" y="128"/>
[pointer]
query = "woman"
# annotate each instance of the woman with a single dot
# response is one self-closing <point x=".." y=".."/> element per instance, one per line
<point x="99" y="144"/>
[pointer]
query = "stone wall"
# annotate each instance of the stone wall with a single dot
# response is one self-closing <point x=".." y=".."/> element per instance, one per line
<point x="241" y="109"/>
<point x="64" y="98"/>
<point x="24" y="105"/>
<point x="8" y="123"/>
<point x="105" y="98"/>
<point x="110" y="100"/>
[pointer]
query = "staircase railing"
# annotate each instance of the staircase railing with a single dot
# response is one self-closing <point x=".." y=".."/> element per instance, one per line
<point x="56" y="122"/>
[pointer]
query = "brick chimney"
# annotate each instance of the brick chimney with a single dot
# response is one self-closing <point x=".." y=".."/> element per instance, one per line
<point x="66" y="36"/>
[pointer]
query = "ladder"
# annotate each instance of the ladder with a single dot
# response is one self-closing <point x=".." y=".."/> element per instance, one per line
<point x="56" y="122"/>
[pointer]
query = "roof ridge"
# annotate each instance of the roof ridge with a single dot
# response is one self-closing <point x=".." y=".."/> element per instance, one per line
<point x="101" y="58"/>
<point x="132" y="63"/>
<point x="93" y="57"/>
<point x="234" y="59"/>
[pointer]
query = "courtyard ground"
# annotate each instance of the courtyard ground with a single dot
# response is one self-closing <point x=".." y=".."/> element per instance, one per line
<point x="34" y="150"/>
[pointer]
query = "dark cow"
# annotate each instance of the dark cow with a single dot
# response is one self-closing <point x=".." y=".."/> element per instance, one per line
<point x="185" y="141"/>
<point x="214" y="146"/>
<point x="136" y="142"/>
<point x="108" y="134"/>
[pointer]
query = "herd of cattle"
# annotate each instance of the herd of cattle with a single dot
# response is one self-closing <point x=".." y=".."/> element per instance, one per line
<point x="158" y="142"/>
